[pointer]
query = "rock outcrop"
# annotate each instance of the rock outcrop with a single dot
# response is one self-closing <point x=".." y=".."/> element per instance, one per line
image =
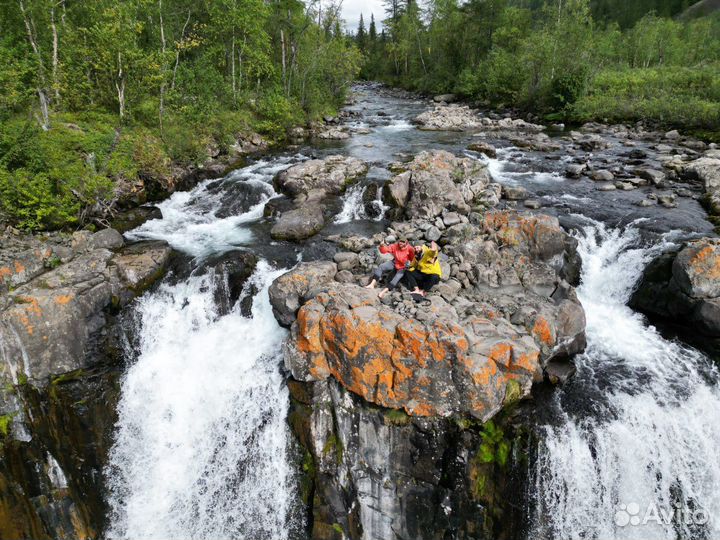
<point x="707" y="171"/>
<point x="684" y="286"/>
<point x="407" y="414"/>
<point x="479" y="342"/>
<point x="330" y="175"/>
<point x="60" y="363"/>
<point x="367" y="472"/>
<point x="436" y="182"/>
<point x="308" y="184"/>
<point x="48" y="321"/>
<point x="449" y="118"/>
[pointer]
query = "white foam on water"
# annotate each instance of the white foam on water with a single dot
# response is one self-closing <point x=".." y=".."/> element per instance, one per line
<point x="652" y="447"/>
<point x="195" y="229"/>
<point x="398" y="125"/>
<point x="201" y="443"/>
<point x="354" y="207"/>
<point x="497" y="167"/>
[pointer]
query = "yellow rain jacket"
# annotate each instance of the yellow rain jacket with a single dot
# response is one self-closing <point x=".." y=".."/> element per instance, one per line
<point x="428" y="262"/>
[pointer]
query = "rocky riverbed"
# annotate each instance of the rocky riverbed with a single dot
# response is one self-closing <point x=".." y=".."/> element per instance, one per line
<point x="367" y="418"/>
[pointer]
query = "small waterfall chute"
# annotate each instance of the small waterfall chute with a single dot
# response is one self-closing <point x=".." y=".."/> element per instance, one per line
<point x="639" y="458"/>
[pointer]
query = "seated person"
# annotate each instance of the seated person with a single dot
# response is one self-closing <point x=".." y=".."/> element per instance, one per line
<point x="425" y="270"/>
<point x="403" y="256"/>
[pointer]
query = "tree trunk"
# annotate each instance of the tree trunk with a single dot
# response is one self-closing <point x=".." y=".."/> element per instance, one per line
<point x="282" y="49"/>
<point x="41" y="90"/>
<point x="120" y="87"/>
<point x="161" y="108"/>
<point x="177" y="52"/>
<point x="56" y="83"/>
<point x="232" y="67"/>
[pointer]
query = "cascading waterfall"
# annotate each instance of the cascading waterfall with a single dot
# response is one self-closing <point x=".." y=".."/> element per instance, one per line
<point x="191" y="223"/>
<point x="202" y="439"/>
<point x="353" y="206"/>
<point x="635" y="452"/>
<point x="201" y="445"/>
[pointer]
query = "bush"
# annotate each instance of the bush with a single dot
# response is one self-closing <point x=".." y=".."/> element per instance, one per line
<point x="277" y="114"/>
<point x="672" y="96"/>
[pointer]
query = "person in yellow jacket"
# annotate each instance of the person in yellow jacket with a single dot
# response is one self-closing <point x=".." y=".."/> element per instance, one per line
<point x="425" y="271"/>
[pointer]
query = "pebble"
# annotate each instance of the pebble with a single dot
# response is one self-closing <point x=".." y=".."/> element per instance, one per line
<point x="532" y="204"/>
<point x="603" y="175"/>
<point x="606" y="187"/>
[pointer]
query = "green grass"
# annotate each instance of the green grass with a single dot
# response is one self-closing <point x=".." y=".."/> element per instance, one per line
<point x="669" y="96"/>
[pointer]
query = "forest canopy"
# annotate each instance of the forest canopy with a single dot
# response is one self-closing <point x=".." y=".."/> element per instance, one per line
<point x="101" y="91"/>
<point x="578" y="60"/>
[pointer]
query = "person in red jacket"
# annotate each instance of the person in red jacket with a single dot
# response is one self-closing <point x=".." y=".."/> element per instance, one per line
<point x="403" y="256"/>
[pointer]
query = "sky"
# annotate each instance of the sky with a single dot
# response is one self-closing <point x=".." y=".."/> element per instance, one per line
<point x="351" y="10"/>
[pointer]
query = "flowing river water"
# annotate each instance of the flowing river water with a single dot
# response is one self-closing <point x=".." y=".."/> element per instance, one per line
<point x="202" y="446"/>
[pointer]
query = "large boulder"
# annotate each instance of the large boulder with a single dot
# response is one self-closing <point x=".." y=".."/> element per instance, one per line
<point x="696" y="269"/>
<point x="330" y="175"/>
<point x="288" y="292"/>
<point x="438" y="181"/>
<point x="707" y="171"/>
<point x="299" y="223"/>
<point x="308" y="184"/>
<point x="449" y="118"/>
<point x="433" y="367"/>
<point x="684" y="286"/>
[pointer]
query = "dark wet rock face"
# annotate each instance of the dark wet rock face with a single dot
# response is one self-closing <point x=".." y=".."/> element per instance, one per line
<point x="370" y="472"/>
<point x="684" y="286"/>
<point x="61" y="361"/>
<point x="231" y="272"/>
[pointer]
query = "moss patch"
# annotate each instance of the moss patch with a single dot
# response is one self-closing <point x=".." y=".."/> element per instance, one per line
<point x="397" y="417"/>
<point x="5" y="424"/>
<point x="334" y="445"/>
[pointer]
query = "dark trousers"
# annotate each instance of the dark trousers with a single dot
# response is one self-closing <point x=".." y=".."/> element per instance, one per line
<point x="418" y="279"/>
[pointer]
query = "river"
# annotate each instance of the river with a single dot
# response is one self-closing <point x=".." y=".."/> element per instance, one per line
<point x="202" y="446"/>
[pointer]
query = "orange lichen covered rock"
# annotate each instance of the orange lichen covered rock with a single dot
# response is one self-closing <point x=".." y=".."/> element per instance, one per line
<point x="697" y="268"/>
<point x="428" y="368"/>
<point x="539" y="235"/>
<point x="47" y="324"/>
<point x="481" y="337"/>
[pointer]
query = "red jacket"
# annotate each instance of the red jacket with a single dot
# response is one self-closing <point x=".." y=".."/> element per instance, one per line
<point x="401" y="255"/>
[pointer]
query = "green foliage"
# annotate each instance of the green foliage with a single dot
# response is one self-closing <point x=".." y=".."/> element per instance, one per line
<point x="127" y="88"/>
<point x="334" y="445"/>
<point x="278" y="114"/>
<point x="669" y="95"/>
<point x="575" y="59"/>
<point x="397" y="417"/>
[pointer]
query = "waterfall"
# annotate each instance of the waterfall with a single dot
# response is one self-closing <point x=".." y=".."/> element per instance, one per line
<point x="201" y="445"/>
<point x="193" y="221"/>
<point x="353" y="206"/>
<point x="635" y="453"/>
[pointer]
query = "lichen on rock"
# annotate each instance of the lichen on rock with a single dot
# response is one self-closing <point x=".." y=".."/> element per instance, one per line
<point x="478" y="341"/>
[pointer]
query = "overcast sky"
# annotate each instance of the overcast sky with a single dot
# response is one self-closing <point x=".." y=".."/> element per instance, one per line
<point x="352" y="8"/>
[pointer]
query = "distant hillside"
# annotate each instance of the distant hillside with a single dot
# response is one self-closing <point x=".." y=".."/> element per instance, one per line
<point x="704" y="7"/>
